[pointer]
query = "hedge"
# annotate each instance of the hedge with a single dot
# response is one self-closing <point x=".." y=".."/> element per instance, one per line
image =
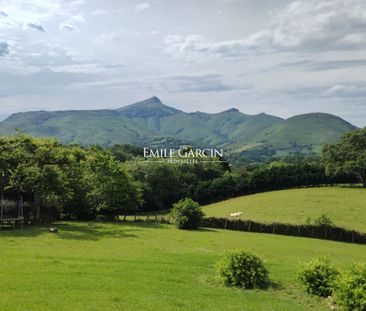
<point x="324" y="232"/>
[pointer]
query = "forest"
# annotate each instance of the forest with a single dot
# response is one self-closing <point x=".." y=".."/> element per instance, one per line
<point x="77" y="182"/>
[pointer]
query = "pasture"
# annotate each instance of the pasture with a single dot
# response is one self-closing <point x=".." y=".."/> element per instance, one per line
<point x="346" y="207"/>
<point x="145" y="266"/>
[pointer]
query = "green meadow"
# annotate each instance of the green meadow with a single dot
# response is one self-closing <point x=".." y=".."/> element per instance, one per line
<point x="346" y="207"/>
<point x="142" y="266"/>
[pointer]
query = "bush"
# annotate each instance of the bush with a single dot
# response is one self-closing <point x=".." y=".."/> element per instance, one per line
<point x="350" y="290"/>
<point x="187" y="214"/>
<point x="323" y="220"/>
<point x="242" y="269"/>
<point x="318" y="277"/>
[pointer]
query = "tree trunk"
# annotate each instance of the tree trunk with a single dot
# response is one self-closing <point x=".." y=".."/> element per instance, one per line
<point x="37" y="207"/>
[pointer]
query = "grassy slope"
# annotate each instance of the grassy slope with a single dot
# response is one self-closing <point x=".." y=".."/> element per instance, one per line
<point x="345" y="206"/>
<point x="90" y="266"/>
<point x="311" y="128"/>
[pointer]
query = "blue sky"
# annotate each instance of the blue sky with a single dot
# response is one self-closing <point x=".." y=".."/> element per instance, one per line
<point x="280" y="57"/>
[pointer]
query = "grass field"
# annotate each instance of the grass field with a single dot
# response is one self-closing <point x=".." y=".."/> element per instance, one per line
<point x="345" y="206"/>
<point x="140" y="266"/>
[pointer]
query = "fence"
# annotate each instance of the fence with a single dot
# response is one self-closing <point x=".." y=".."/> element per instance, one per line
<point x="324" y="232"/>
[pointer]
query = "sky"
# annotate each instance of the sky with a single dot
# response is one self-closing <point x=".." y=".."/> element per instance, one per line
<point x="279" y="57"/>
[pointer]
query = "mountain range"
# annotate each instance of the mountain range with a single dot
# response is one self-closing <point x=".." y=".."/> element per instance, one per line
<point x="151" y="123"/>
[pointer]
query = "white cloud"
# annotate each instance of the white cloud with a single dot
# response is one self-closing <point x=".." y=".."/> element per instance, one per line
<point x="142" y="6"/>
<point x="99" y="12"/>
<point x="346" y="91"/>
<point x="303" y="26"/>
<point x="194" y="46"/>
<point x="79" y="18"/>
<point x="181" y="83"/>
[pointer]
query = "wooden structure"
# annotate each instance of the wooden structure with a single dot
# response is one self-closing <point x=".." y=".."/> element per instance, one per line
<point x="11" y="217"/>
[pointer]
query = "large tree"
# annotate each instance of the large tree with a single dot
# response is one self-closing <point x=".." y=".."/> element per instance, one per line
<point x="35" y="166"/>
<point x="347" y="156"/>
<point x="112" y="191"/>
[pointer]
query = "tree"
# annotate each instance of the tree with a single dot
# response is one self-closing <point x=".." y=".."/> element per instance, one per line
<point x="112" y="191"/>
<point x="347" y="156"/>
<point x="161" y="184"/>
<point x="34" y="167"/>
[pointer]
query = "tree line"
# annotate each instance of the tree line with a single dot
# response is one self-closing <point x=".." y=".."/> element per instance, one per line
<point x="80" y="182"/>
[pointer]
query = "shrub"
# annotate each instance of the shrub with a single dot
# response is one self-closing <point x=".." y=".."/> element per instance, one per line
<point x="242" y="269"/>
<point x="187" y="214"/>
<point x="350" y="290"/>
<point x="323" y="220"/>
<point x="318" y="277"/>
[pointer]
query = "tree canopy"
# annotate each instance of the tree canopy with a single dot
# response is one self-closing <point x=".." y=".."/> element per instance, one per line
<point x="347" y="156"/>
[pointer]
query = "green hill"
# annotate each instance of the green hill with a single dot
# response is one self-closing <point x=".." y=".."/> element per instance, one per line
<point x="141" y="266"/>
<point x="312" y="129"/>
<point x="346" y="207"/>
<point x="150" y="123"/>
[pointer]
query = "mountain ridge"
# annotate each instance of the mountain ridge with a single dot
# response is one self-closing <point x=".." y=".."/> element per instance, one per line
<point x="150" y="122"/>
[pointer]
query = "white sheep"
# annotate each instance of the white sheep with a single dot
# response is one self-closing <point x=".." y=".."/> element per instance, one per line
<point x="235" y="215"/>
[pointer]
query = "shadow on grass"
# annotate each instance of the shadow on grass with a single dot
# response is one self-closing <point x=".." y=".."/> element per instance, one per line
<point x="144" y="224"/>
<point x="206" y="230"/>
<point x="213" y="280"/>
<point x="354" y="186"/>
<point x="26" y="232"/>
<point x="275" y="286"/>
<point x="92" y="231"/>
<point x="88" y="231"/>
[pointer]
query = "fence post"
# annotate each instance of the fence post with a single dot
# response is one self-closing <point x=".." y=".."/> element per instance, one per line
<point x="249" y="225"/>
<point x="225" y="223"/>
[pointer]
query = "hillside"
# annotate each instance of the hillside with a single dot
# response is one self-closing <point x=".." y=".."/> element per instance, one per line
<point x="344" y="206"/>
<point x="312" y="129"/>
<point x="151" y="123"/>
<point x="142" y="266"/>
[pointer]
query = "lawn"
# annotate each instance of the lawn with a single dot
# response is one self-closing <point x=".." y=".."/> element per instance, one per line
<point x="345" y="206"/>
<point x="140" y="266"/>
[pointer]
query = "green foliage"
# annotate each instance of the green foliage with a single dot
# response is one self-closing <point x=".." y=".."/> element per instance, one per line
<point x="164" y="183"/>
<point x="76" y="181"/>
<point x="349" y="155"/>
<point x="112" y="189"/>
<point x="187" y="214"/>
<point x="125" y="152"/>
<point x="242" y="269"/>
<point x="350" y="289"/>
<point x="318" y="277"/>
<point x="323" y="220"/>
